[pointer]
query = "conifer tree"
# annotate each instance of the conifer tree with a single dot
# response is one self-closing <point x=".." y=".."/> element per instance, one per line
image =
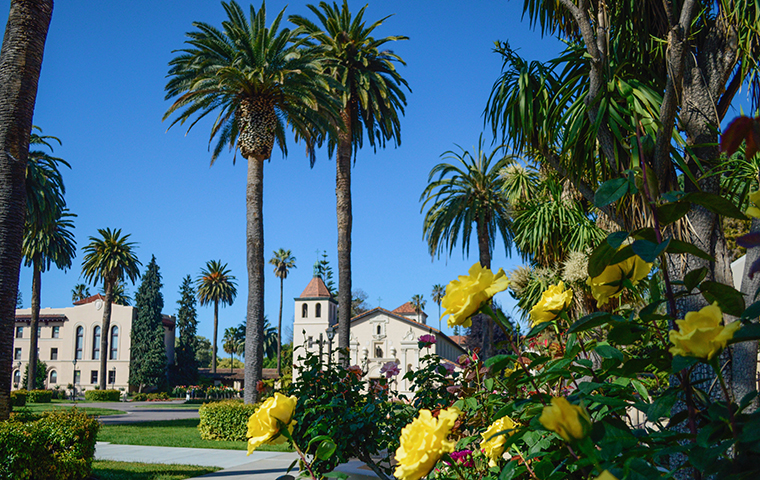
<point x="147" y="364"/>
<point x="187" y="323"/>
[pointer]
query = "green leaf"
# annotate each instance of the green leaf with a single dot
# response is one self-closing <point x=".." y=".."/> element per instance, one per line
<point x="746" y="333"/>
<point x="679" y="362"/>
<point x="607" y="351"/>
<point x="677" y="246"/>
<point x="340" y="475"/>
<point x="326" y="449"/>
<point x="671" y="212"/>
<point x="753" y="311"/>
<point x="498" y="359"/>
<point x="640" y="389"/>
<point x="649" y="251"/>
<point x="692" y="279"/>
<point x="537" y="329"/>
<point x="604" y="252"/>
<point x="729" y="299"/>
<point x="716" y="204"/>
<point x="661" y="407"/>
<point x="622" y="255"/>
<point x="592" y="320"/>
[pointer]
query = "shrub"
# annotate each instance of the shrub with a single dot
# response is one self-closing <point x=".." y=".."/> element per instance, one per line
<point x="140" y="397"/>
<point x="18" y="398"/>
<point x="102" y="396"/>
<point x="57" y="444"/>
<point x="150" y="397"/>
<point x="225" y="420"/>
<point x="39" y="396"/>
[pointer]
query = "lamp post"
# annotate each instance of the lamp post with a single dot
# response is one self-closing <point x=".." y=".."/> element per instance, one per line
<point x="74" y="380"/>
<point x="330" y="335"/>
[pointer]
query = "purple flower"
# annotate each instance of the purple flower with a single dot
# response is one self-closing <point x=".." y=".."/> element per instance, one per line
<point x="426" y="341"/>
<point x="463" y="457"/>
<point x="390" y="369"/>
<point x="449" y="367"/>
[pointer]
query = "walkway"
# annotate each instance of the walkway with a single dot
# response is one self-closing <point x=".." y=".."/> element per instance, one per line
<point x="141" y="411"/>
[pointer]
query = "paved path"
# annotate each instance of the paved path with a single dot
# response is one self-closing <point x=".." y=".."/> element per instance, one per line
<point x="141" y="411"/>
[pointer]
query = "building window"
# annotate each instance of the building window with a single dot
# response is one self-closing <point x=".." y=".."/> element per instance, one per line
<point x="53" y="354"/>
<point x="379" y="350"/>
<point x="304" y="311"/>
<point x="53" y="376"/>
<point x="318" y="310"/>
<point x="96" y="343"/>
<point x="79" y="343"/>
<point x="93" y="376"/>
<point x="78" y="377"/>
<point x="17" y="377"/>
<point x="39" y="332"/>
<point x="408" y="367"/>
<point x="114" y="343"/>
<point x="19" y="332"/>
<point x="17" y="354"/>
<point x="56" y="332"/>
<point x="379" y="330"/>
<point x="112" y="377"/>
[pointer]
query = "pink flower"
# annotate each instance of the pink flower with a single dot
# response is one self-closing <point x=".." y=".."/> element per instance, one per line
<point x="390" y="369"/>
<point x="463" y="457"/>
<point x="449" y="367"/>
<point x="426" y="341"/>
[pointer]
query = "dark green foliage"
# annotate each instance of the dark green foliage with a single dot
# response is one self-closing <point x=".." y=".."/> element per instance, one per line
<point x="102" y="395"/>
<point x="186" y="362"/>
<point x="323" y="270"/>
<point x="226" y="420"/>
<point x="203" y="351"/>
<point x="57" y="444"/>
<point x="40" y="376"/>
<point x="39" y="396"/>
<point x="147" y="364"/>
<point x="18" y="398"/>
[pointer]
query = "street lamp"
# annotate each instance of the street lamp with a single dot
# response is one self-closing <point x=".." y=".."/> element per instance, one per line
<point x="330" y="335"/>
<point x="74" y="381"/>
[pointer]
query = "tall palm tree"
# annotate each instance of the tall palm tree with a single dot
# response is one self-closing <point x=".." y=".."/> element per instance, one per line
<point x="79" y="292"/>
<point x="259" y="80"/>
<point x="231" y="343"/>
<point x="120" y="294"/>
<point x="371" y="99"/>
<point x="20" y="65"/>
<point x="418" y="303"/>
<point x="283" y="261"/>
<point x="438" y="293"/>
<point x="109" y="259"/>
<point x="215" y="285"/>
<point x="465" y="193"/>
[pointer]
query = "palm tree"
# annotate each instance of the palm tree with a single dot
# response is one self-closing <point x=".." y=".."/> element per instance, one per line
<point x="371" y="98"/>
<point x="111" y="260"/>
<point x="283" y="261"/>
<point x="231" y="343"/>
<point x="438" y="293"/>
<point x="21" y="60"/>
<point x="259" y="80"/>
<point x="418" y="303"/>
<point x="216" y="285"/>
<point x="120" y="294"/>
<point x="79" y="292"/>
<point x="467" y="193"/>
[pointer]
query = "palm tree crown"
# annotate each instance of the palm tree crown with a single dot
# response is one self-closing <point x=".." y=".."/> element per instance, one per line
<point x="110" y="259"/>
<point x="439" y="291"/>
<point x="215" y="284"/>
<point x="79" y="292"/>
<point x="283" y="261"/>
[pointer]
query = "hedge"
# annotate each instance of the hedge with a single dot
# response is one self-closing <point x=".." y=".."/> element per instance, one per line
<point x="57" y="444"/>
<point x="39" y="396"/>
<point x="18" y="398"/>
<point x="226" y="420"/>
<point x="150" y="397"/>
<point x="102" y="395"/>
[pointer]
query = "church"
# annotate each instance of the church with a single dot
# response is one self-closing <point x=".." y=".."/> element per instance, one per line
<point x="378" y="336"/>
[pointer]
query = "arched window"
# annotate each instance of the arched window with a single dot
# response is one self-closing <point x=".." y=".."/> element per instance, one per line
<point x="318" y="310"/>
<point x="304" y="311"/>
<point x="53" y="376"/>
<point x="114" y="343"/>
<point x="96" y="343"/>
<point x="17" y="377"/>
<point x="79" y="343"/>
<point x="379" y="330"/>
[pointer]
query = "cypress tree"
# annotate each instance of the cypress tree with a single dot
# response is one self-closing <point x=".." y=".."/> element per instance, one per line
<point x="187" y="323"/>
<point x="147" y="363"/>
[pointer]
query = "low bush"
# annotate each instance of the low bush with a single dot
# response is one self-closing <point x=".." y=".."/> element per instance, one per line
<point x="18" y="398"/>
<point x="150" y="397"/>
<point x="225" y="420"/>
<point x="39" y="396"/>
<point x="56" y="444"/>
<point x="102" y="395"/>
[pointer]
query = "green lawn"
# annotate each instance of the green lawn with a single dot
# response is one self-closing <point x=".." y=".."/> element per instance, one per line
<point x="171" y="433"/>
<point x="108" y="470"/>
<point x="44" y="407"/>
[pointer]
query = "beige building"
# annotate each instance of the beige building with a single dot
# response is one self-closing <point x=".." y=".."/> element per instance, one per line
<point x="69" y="344"/>
<point x="378" y="336"/>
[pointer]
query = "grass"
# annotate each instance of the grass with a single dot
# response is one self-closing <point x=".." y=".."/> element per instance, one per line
<point x="108" y="470"/>
<point x="171" y="433"/>
<point x="46" y="407"/>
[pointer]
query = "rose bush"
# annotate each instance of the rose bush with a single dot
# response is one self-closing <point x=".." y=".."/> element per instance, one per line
<point x="424" y="442"/>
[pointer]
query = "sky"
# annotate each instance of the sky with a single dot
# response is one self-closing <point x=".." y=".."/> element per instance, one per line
<point x="101" y="92"/>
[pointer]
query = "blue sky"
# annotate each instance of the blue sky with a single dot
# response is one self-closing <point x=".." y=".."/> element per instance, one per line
<point x="102" y="93"/>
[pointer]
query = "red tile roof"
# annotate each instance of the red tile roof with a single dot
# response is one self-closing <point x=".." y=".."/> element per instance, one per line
<point x="44" y="318"/>
<point x="459" y="339"/>
<point x="406" y="309"/>
<point x="316" y="289"/>
<point x="89" y="299"/>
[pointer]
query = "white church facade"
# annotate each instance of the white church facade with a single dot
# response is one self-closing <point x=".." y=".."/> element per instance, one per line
<point x="378" y="336"/>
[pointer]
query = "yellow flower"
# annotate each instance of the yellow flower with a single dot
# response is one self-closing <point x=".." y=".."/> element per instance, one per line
<point x="606" y="475"/>
<point x="701" y="334"/>
<point x="494" y="446"/>
<point x="423" y="442"/>
<point x="465" y="296"/>
<point x="553" y="300"/>
<point x="753" y="210"/>
<point x="610" y="282"/>
<point x="263" y="427"/>
<point x="570" y="422"/>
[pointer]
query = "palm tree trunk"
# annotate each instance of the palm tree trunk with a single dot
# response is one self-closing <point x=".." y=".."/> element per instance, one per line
<point x="34" y="323"/>
<point x="345" y="220"/>
<point x="20" y="64"/>
<point x="279" y="334"/>
<point x="104" y="334"/>
<point x="216" y="329"/>
<point x="254" y="329"/>
<point x="485" y="261"/>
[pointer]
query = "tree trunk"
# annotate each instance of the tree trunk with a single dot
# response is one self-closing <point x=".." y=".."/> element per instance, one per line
<point x="34" y="323"/>
<point x="345" y="220"/>
<point x="485" y="260"/>
<point x="254" y="330"/>
<point x="279" y="334"/>
<point x="104" y="334"/>
<point x="20" y="64"/>
<point x="216" y="330"/>
<point x="744" y="354"/>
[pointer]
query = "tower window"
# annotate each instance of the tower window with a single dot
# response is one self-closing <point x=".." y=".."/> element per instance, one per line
<point x="304" y="311"/>
<point x="318" y="310"/>
<point x="379" y="330"/>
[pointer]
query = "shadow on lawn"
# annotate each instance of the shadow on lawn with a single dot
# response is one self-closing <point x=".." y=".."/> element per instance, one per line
<point x="107" y="470"/>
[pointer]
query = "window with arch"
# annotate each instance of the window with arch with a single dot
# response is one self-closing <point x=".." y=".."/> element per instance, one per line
<point x="318" y="310"/>
<point x="17" y="377"/>
<point x="79" y="345"/>
<point x="379" y="330"/>
<point x="304" y="311"/>
<point x="53" y="376"/>
<point x="114" y="343"/>
<point x="96" y="343"/>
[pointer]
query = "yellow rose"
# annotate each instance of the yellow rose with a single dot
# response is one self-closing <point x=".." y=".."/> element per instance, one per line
<point x="606" y="475"/>
<point x="569" y="421"/>
<point x="465" y="296"/>
<point x="701" y="334"/>
<point x="263" y="427"/>
<point x="423" y="442"/>
<point x="494" y="446"/>
<point x="553" y="301"/>
<point x="610" y="282"/>
<point x="753" y="210"/>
